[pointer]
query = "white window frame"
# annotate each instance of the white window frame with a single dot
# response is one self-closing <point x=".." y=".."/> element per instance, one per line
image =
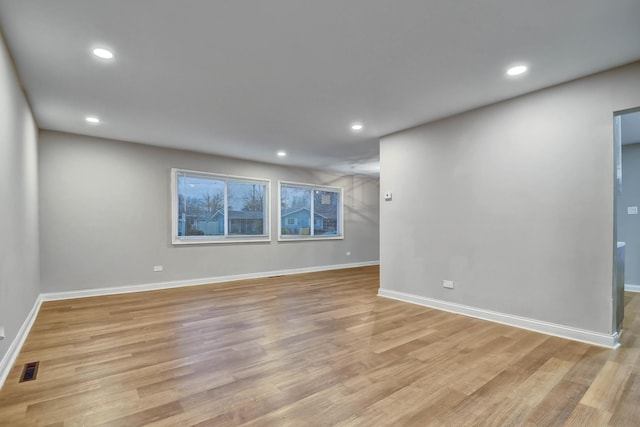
<point x="226" y="238"/>
<point x="311" y="236"/>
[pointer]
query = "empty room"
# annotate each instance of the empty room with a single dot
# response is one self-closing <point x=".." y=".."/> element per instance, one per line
<point x="328" y="213"/>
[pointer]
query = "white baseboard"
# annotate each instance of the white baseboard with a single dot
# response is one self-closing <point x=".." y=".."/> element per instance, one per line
<point x="14" y="349"/>
<point x="575" y="334"/>
<point x="631" y="288"/>
<point x="54" y="296"/>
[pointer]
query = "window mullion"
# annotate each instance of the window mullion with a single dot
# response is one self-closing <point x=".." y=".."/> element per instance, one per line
<point x="313" y="215"/>
<point x="225" y="205"/>
<point x="184" y="214"/>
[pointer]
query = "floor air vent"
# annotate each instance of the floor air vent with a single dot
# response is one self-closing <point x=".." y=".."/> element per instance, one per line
<point x="29" y="372"/>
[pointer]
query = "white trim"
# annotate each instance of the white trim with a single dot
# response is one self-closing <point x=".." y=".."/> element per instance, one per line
<point x="54" y="296"/>
<point x="302" y="238"/>
<point x="14" y="349"/>
<point x="631" y="288"/>
<point x="568" y="332"/>
<point x="197" y="240"/>
<point x="310" y="186"/>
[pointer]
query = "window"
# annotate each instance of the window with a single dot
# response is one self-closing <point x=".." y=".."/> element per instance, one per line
<point x="210" y="208"/>
<point x="309" y="212"/>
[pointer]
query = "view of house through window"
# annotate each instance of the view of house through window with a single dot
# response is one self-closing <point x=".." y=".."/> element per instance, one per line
<point x="211" y="208"/>
<point x="308" y="211"/>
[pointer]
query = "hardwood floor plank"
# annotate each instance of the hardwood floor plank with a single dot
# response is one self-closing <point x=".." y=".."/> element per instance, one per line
<point x="606" y="390"/>
<point x="627" y="409"/>
<point x="146" y="416"/>
<point x="317" y="349"/>
<point x="584" y="415"/>
<point x="557" y="405"/>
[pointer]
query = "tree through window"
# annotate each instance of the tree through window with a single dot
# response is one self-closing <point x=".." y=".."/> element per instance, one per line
<point x="210" y="208"/>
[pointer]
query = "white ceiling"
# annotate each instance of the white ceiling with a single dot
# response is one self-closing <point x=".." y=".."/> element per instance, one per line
<point x="247" y="78"/>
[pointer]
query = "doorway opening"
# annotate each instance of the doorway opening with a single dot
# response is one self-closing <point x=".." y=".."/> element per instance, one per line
<point x="626" y="272"/>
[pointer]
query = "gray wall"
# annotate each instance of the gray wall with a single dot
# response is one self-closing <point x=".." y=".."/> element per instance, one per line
<point x="19" y="276"/>
<point x="105" y="217"/>
<point x="514" y="202"/>
<point x="629" y="225"/>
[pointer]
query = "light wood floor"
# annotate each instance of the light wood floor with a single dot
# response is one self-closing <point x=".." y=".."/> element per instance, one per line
<point x="316" y="349"/>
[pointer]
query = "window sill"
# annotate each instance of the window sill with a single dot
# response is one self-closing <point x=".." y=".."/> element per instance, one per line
<point x="205" y="241"/>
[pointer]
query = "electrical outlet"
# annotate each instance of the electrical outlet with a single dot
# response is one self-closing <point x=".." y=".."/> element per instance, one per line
<point x="157" y="268"/>
<point x="1" y="333"/>
<point x="348" y="253"/>
<point x="447" y="284"/>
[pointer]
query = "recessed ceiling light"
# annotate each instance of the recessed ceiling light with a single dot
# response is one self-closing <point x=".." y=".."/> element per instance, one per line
<point x="92" y="119"/>
<point x="357" y="127"/>
<point x="516" y="70"/>
<point x="282" y="153"/>
<point x="103" y="53"/>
